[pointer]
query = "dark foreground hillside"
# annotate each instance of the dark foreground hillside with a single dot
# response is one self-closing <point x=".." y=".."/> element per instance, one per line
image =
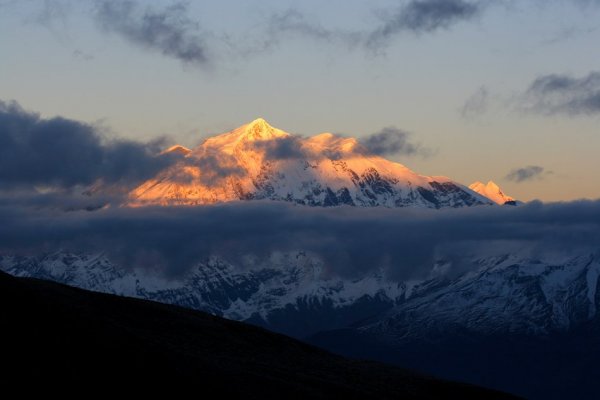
<point x="64" y="336"/>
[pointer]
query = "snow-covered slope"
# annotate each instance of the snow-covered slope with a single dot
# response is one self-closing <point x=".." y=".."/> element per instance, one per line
<point x="507" y="294"/>
<point x="526" y="325"/>
<point x="284" y="288"/>
<point x="290" y="293"/>
<point x="257" y="161"/>
<point x="492" y="192"/>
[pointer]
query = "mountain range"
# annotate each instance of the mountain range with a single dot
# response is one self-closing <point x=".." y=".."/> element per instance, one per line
<point x="508" y="321"/>
<point x="542" y="311"/>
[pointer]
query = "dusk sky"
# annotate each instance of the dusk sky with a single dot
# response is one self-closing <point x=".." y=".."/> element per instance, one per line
<point x="490" y="90"/>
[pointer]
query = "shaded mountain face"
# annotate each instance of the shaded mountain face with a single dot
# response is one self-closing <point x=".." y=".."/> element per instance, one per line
<point x="63" y="337"/>
<point x="257" y="161"/>
<point x="526" y="326"/>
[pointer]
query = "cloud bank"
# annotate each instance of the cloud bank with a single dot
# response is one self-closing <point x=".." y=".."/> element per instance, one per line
<point x="350" y="241"/>
<point x="60" y="153"/>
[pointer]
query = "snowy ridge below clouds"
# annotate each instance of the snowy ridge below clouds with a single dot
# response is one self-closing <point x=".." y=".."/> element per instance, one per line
<point x="503" y="294"/>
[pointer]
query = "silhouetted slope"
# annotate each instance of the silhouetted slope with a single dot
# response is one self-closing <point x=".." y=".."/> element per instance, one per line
<point x="545" y="367"/>
<point x="66" y="336"/>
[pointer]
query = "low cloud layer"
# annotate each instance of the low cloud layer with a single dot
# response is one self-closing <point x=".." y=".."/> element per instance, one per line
<point x="562" y="94"/>
<point x="350" y="241"/>
<point x="527" y="173"/>
<point x="169" y="30"/>
<point x="59" y="153"/>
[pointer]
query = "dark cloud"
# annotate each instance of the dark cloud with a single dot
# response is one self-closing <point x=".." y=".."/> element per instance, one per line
<point x="477" y="104"/>
<point x="526" y="173"/>
<point x="283" y="148"/>
<point x="392" y="141"/>
<point x="350" y="241"/>
<point x="214" y="168"/>
<point x="59" y="153"/>
<point x="424" y="16"/>
<point x="563" y="94"/>
<point x="169" y="31"/>
<point x="430" y="15"/>
<point x="388" y="141"/>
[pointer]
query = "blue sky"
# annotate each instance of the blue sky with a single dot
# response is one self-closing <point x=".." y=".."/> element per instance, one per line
<point x="491" y="88"/>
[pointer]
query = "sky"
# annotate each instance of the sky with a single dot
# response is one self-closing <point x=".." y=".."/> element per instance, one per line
<point x="492" y="90"/>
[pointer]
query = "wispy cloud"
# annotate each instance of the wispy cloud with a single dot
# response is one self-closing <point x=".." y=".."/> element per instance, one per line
<point x="424" y="16"/>
<point x="415" y="16"/>
<point x="527" y="173"/>
<point x="169" y="30"/>
<point x="563" y="94"/>
<point x="174" y="31"/>
<point x="477" y="104"/>
<point x="82" y="55"/>
<point x="294" y="21"/>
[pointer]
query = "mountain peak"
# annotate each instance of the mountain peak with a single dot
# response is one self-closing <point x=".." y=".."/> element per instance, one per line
<point x="492" y="191"/>
<point x="260" y="121"/>
<point x="259" y="129"/>
<point x="177" y="149"/>
<point x="491" y="185"/>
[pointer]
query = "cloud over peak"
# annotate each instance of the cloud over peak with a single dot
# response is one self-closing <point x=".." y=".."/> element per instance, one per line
<point x="392" y="141"/>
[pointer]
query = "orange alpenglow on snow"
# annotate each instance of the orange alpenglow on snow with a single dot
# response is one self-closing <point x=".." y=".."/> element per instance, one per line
<point x="491" y="191"/>
<point x="259" y="162"/>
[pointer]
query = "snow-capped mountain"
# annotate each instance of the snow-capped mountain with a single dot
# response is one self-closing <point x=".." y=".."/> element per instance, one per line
<point x="258" y="161"/>
<point x="492" y="192"/>
<point x="503" y="295"/>
<point x="289" y="293"/>
<point x="528" y="326"/>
